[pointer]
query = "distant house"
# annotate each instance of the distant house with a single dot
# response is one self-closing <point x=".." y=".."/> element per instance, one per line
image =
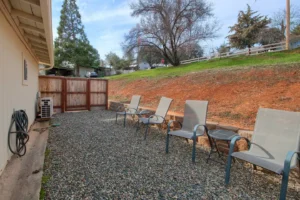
<point x="84" y="70"/>
<point x="105" y="71"/>
<point x="60" y="71"/>
<point x="144" y="65"/>
<point x="294" y="41"/>
<point x="70" y="71"/>
<point x="141" y="66"/>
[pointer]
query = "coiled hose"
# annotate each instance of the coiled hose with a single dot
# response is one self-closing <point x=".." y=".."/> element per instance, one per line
<point x="20" y="119"/>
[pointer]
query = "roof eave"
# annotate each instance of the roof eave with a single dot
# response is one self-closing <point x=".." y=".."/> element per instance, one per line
<point x="46" y="11"/>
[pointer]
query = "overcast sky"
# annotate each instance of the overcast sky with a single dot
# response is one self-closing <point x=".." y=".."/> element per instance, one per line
<point x="107" y="21"/>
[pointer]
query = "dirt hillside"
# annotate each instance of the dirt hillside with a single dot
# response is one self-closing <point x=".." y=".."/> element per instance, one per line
<point x="234" y="95"/>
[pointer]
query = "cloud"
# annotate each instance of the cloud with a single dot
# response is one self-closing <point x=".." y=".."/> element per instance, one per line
<point x="120" y="13"/>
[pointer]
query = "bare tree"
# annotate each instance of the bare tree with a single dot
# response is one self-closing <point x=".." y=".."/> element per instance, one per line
<point x="223" y="48"/>
<point x="170" y="25"/>
<point x="150" y="55"/>
<point x="279" y="19"/>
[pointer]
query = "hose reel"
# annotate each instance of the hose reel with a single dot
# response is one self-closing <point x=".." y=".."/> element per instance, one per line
<point x="20" y="134"/>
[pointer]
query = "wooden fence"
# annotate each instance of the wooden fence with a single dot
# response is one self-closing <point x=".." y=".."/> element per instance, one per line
<point x="251" y="51"/>
<point x="71" y="94"/>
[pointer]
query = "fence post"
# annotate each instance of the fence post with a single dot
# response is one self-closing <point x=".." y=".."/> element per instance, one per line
<point x="88" y="96"/>
<point x="63" y="94"/>
<point x="106" y="94"/>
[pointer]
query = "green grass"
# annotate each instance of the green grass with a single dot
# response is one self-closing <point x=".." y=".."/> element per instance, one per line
<point x="276" y="58"/>
<point x="45" y="178"/>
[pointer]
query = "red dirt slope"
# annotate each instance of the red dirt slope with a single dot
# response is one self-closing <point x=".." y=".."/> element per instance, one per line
<point x="234" y="95"/>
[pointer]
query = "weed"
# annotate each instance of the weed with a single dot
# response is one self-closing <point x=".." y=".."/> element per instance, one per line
<point x="45" y="177"/>
<point x="225" y="114"/>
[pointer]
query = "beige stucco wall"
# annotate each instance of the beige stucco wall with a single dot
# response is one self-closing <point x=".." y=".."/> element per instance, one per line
<point x="13" y="94"/>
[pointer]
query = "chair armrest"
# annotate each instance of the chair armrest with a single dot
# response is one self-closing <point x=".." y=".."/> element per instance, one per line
<point x="171" y="122"/>
<point x="143" y="112"/>
<point x="157" y="116"/>
<point x="196" y="128"/>
<point x="128" y="109"/>
<point x="234" y="140"/>
<point x="289" y="157"/>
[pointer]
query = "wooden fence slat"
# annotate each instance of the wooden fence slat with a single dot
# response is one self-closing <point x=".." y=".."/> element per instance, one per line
<point x="106" y="94"/>
<point x="88" y="85"/>
<point x="63" y="96"/>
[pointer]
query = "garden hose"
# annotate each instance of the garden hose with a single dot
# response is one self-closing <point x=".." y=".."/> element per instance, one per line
<point x="20" y="119"/>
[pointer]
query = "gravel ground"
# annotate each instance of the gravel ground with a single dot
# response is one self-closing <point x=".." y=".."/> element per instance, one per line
<point x="93" y="158"/>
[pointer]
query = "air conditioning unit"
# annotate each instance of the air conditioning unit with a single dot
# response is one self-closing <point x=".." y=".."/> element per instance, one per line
<point x="46" y="104"/>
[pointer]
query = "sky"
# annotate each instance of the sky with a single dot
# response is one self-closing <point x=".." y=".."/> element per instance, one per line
<point x="107" y="21"/>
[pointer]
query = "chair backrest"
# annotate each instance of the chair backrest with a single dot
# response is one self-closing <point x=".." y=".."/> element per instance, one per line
<point x="194" y="113"/>
<point x="163" y="106"/>
<point x="276" y="132"/>
<point x="135" y="101"/>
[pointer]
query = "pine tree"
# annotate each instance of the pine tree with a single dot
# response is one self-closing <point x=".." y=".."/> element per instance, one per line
<point x="296" y="30"/>
<point x="72" y="45"/>
<point x="247" y="29"/>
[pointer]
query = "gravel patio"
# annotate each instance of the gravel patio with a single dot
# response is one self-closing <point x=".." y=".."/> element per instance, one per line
<point x="90" y="157"/>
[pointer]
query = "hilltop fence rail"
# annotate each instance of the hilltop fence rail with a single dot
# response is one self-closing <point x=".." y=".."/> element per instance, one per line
<point x="248" y="51"/>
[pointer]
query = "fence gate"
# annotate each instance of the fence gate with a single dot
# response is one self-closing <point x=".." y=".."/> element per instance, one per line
<point x="77" y="94"/>
<point x="71" y="94"/>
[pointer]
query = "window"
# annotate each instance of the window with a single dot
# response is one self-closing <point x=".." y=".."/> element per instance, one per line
<point x="25" y="71"/>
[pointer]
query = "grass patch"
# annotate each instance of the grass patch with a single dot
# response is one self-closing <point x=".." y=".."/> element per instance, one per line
<point x="45" y="177"/>
<point x="230" y="115"/>
<point x="275" y="58"/>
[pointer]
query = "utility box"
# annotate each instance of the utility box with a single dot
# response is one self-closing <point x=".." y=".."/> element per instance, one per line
<point x="46" y="105"/>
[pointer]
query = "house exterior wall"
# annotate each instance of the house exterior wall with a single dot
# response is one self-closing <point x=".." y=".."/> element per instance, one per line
<point x="144" y="65"/>
<point x="84" y="70"/>
<point x="13" y="93"/>
<point x="295" y="44"/>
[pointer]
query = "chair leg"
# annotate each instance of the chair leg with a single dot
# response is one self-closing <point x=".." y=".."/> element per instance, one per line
<point x="299" y="167"/>
<point x="228" y="168"/>
<point x="194" y="150"/>
<point x="284" y="183"/>
<point x="124" y="120"/>
<point x="137" y="126"/>
<point x="167" y="143"/>
<point x="146" y="132"/>
<point x="116" y="118"/>
<point x="254" y="167"/>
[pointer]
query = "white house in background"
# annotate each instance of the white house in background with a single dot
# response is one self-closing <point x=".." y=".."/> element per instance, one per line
<point x="295" y="41"/>
<point x="142" y="66"/>
<point x="25" y="42"/>
<point x="84" y="70"/>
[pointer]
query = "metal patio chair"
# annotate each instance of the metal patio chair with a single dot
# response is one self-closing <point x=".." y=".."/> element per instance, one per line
<point x="132" y="109"/>
<point x="158" y="117"/>
<point x="275" y="142"/>
<point x="194" y="123"/>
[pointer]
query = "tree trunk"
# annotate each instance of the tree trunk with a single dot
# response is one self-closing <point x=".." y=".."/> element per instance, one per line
<point x="77" y="71"/>
<point x="249" y="49"/>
